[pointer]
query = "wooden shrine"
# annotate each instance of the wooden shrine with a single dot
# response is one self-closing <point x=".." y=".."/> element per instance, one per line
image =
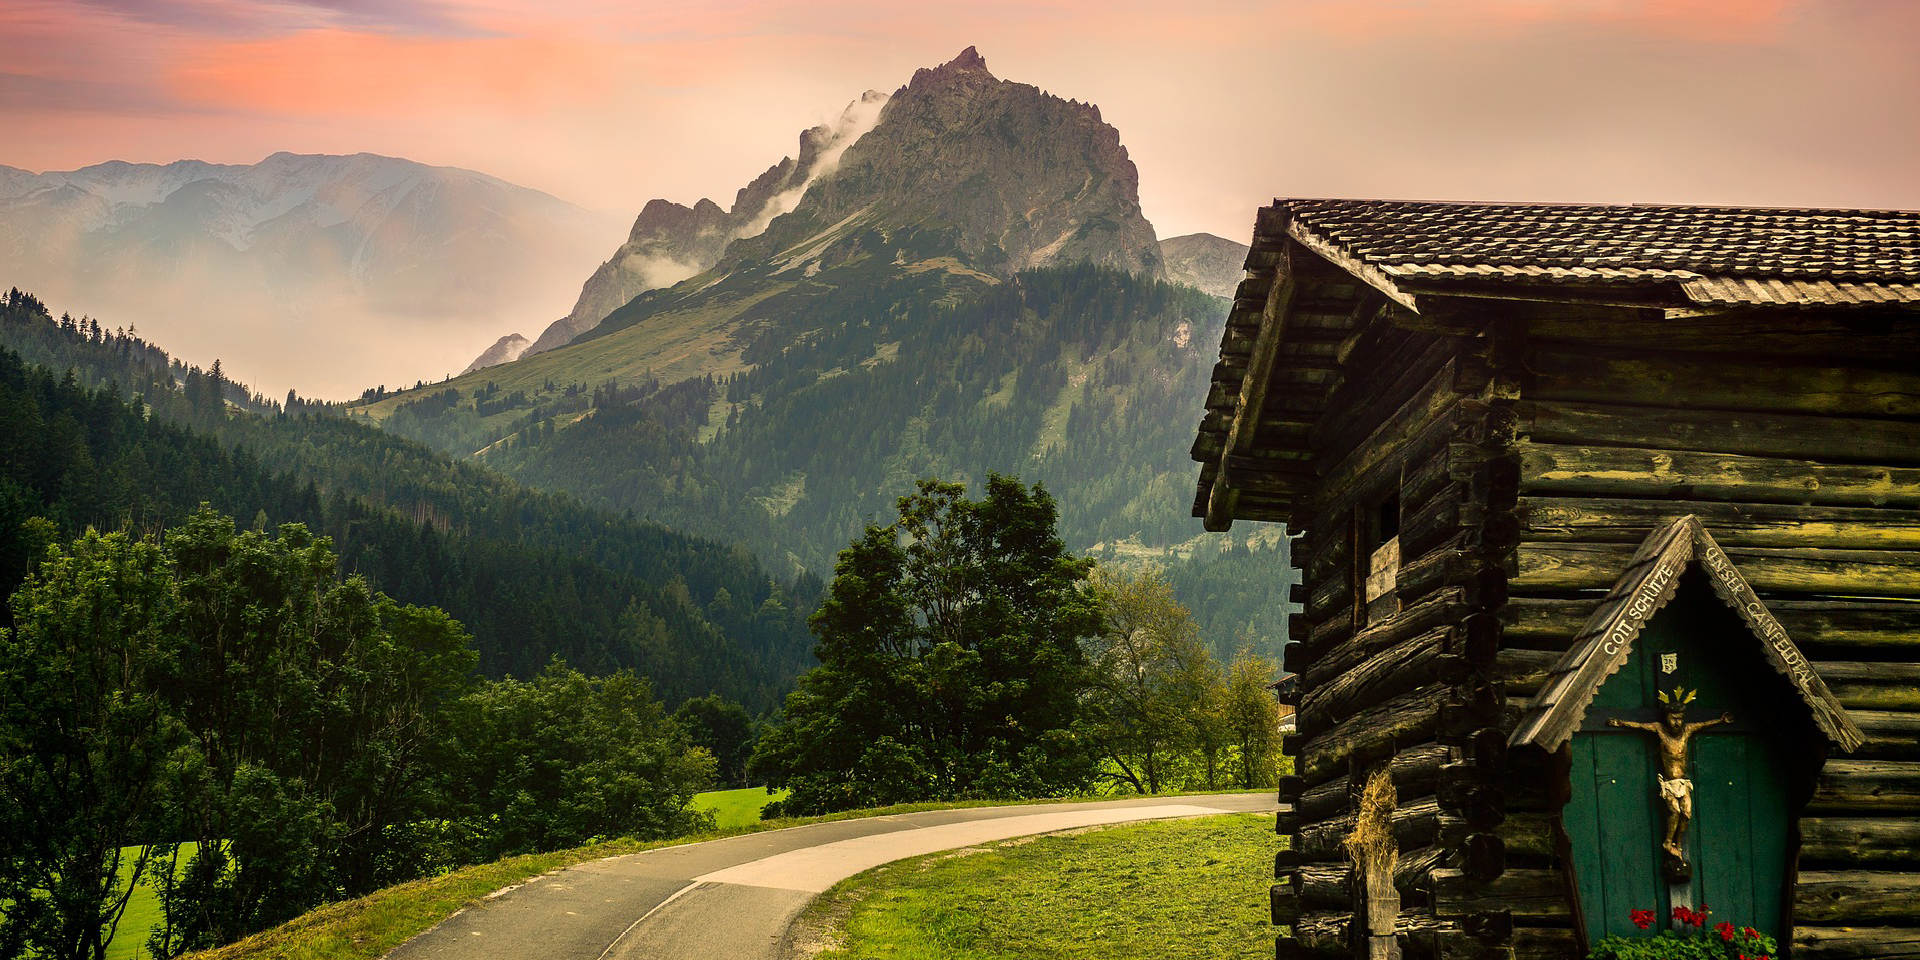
<point x="1609" y="528"/>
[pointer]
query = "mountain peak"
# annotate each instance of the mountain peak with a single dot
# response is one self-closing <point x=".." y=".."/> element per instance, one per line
<point x="968" y="64"/>
<point x="969" y="59"/>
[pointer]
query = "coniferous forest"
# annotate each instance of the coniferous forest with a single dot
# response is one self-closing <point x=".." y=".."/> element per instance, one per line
<point x="124" y="438"/>
<point x="1080" y="378"/>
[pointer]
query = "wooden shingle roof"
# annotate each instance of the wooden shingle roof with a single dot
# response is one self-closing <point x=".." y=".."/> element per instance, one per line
<point x="1742" y="255"/>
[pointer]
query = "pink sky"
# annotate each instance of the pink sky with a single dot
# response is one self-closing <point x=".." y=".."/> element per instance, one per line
<point x="608" y="104"/>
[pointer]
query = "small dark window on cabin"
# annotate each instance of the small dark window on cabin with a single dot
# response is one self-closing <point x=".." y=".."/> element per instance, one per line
<point x="1380" y="579"/>
<point x="1386" y="521"/>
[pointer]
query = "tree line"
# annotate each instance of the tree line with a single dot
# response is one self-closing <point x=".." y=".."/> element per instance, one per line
<point x="216" y="714"/>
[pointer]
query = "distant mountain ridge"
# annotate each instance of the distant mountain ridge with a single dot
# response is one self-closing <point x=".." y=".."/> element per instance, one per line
<point x="1214" y="264"/>
<point x="504" y="350"/>
<point x="670" y="242"/>
<point x="357" y="266"/>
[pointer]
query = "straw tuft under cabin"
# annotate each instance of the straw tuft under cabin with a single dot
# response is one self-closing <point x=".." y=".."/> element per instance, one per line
<point x="1609" y="524"/>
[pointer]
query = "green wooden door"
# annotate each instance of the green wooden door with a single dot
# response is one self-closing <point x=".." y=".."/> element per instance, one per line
<point x="1616" y="841"/>
<point x="1738" y="838"/>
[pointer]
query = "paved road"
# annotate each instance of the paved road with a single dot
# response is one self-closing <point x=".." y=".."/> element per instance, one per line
<point x="736" y="898"/>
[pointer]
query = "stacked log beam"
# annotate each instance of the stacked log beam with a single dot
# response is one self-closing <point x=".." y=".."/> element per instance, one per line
<point x="1360" y="707"/>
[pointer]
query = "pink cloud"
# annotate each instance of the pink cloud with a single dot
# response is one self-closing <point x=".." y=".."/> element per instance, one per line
<point x="334" y="72"/>
<point x="1710" y="21"/>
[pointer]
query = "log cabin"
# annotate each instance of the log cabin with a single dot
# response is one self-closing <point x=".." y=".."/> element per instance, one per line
<point x="1558" y="472"/>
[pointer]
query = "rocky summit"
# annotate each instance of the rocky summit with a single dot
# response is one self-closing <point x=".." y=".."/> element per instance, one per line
<point x="957" y="171"/>
<point x="965" y="286"/>
<point x="1010" y="177"/>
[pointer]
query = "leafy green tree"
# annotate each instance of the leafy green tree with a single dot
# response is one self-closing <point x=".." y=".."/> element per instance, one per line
<point x="562" y="759"/>
<point x="724" y="729"/>
<point x="1155" y="684"/>
<point x="314" y="706"/>
<point x="951" y="663"/>
<point x="84" y="733"/>
<point x="1252" y="718"/>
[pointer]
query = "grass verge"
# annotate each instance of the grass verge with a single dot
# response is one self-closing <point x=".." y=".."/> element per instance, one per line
<point x="1168" y="890"/>
<point x="372" y="925"/>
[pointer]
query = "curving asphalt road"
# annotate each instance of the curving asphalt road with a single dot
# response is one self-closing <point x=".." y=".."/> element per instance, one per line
<point x="737" y="898"/>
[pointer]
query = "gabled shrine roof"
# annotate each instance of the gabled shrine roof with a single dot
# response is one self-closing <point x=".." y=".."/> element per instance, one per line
<point x="1605" y="641"/>
<point x="1716" y="255"/>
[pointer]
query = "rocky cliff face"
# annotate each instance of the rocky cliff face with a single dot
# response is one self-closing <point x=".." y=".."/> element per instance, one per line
<point x="1013" y="177"/>
<point x="1214" y="264"/>
<point x="957" y="169"/>
<point x="671" y="242"/>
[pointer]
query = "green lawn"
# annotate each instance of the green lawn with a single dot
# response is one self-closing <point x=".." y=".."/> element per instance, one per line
<point x="736" y="808"/>
<point x="1169" y="890"/>
<point x="143" y="908"/>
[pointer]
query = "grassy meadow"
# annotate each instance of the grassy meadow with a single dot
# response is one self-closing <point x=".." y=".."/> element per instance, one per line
<point x="736" y="808"/>
<point x="1168" y="890"/>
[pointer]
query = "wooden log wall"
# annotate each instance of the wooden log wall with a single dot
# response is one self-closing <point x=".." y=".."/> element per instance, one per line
<point x="1801" y="455"/>
<point x="1414" y="690"/>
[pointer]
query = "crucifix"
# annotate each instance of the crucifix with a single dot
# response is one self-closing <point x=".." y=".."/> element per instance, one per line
<point x="1674" y="735"/>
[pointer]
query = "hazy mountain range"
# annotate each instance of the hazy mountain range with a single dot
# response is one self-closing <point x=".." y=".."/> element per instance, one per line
<point x="325" y="273"/>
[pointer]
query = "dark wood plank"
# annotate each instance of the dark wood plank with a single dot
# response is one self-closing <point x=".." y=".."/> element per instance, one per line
<point x="1681" y="381"/>
<point x="1856" y="943"/>
<point x="1635" y="472"/>
<point x="1889" y="573"/>
<point x="1861" y="440"/>
<point x="1856" y="897"/>
<point x="1618" y="520"/>
<point x="1873" y="787"/>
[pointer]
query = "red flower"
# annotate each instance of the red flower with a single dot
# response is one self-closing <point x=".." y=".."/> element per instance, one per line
<point x="1725" y="930"/>
<point x="1641" y="918"/>
<point x="1749" y="931"/>
<point x="1689" y="917"/>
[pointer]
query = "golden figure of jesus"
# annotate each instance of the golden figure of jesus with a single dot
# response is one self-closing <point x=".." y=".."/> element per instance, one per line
<point x="1674" y="733"/>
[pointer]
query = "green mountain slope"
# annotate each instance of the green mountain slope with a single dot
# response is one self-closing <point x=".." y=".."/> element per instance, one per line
<point x="973" y="288"/>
